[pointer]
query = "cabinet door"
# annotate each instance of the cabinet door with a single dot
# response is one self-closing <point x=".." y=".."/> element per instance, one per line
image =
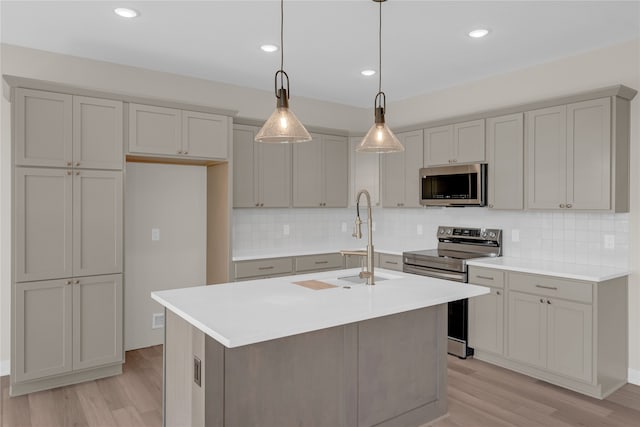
<point x="486" y="321"/>
<point x="97" y="321"/>
<point x="97" y="133"/>
<point x="506" y="161"/>
<point x="43" y="216"/>
<point x="335" y="170"/>
<point x="307" y="173"/>
<point x="468" y="146"/>
<point x="527" y="326"/>
<point x="97" y="223"/>
<point x="42" y="329"/>
<point x="204" y="135"/>
<point x="546" y="158"/>
<point x="274" y="182"/>
<point x="392" y="179"/>
<point x="413" y="149"/>
<point x="244" y="170"/>
<point x="570" y="334"/>
<point x="154" y="130"/>
<point x="365" y="173"/>
<point x="43" y="128"/>
<point x="438" y="146"/>
<point x="589" y="154"/>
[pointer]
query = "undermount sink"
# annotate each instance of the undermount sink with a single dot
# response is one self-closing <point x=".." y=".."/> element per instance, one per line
<point x="358" y="280"/>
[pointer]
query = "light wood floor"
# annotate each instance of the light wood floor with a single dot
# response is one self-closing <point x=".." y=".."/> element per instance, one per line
<point x="480" y="395"/>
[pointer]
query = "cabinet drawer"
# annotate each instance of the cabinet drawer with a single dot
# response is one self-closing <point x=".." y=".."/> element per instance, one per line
<point x="486" y="277"/>
<point x="551" y="287"/>
<point x="263" y="267"/>
<point x="319" y="262"/>
<point x="391" y="262"/>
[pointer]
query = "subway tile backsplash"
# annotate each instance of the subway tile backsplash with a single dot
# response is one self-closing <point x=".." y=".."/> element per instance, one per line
<point x="574" y="237"/>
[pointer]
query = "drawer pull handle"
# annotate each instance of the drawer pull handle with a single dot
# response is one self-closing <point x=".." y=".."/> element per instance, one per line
<point x="484" y="277"/>
<point x="553" y="288"/>
<point x="391" y="262"/>
<point x="266" y="268"/>
<point x="322" y="262"/>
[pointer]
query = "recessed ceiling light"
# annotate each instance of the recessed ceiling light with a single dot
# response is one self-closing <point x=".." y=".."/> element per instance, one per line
<point x="478" y="33"/>
<point x="125" y="12"/>
<point x="269" y="47"/>
<point x="368" y="73"/>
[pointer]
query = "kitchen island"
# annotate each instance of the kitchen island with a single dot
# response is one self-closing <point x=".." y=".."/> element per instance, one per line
<point x="309" y="350"/>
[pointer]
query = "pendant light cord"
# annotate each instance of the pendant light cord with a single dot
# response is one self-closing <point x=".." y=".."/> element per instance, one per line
<point x="281" y="42"/>
<point x="380" y="51"/>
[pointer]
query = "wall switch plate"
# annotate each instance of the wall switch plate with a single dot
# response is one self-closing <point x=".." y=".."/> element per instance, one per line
<point x="157" y="320"/>
<point x="515" y="235"/>
<point x="155" y="234"/>
<point x="609" y="241"/>
<point x="343" y="227"/>
<point x="285" y="229"/>
<point x="419" y="230"/>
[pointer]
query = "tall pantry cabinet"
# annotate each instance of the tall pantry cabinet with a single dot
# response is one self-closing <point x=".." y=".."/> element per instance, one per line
<point x="68" y="231"/>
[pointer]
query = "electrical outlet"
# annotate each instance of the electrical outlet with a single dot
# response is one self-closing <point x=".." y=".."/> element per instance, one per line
<point x="609" y="241"/>
<point x="155" y="234"/>
<point x="515" y="235"/>
<point x="419" y="230"/>
<point x="285" y="229"/>
<point x="157" y="320"/>
<point x="343" y="227"/>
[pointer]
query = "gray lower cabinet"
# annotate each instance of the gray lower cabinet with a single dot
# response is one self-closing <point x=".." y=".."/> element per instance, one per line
<point x="400" y="172"/>
<point x="262" y="268"/>
<point x="261" y="172"/>
<point x="321" y="172"/>
<point x="390" y="262"/>
<point x="320" y="262"/>
<point x="505" y="158"/>
<point x="63" y="326"/>
<point x="568" y="332"/>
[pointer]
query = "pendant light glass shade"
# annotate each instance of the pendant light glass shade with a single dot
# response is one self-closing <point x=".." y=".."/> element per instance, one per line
<point x="282" y="126"/>
<point x="380" y="139"/>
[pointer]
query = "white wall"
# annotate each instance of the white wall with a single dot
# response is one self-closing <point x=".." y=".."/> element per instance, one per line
<point x="172" y="199"/>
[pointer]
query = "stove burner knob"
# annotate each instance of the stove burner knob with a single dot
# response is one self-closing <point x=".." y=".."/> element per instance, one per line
<point x="449" y="231"/>
<point x="484" y="234"/>
<point x="492" y="235"/>
<point x="442" y="231"/>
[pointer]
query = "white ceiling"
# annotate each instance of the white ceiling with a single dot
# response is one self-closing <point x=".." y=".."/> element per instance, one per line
<point x="327" y="43"/>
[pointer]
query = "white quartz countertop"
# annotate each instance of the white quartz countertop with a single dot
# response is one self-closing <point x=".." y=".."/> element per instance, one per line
<point x="591" y="273"/>
<point x="242" y="313"/>
<point x="302" y="252"/>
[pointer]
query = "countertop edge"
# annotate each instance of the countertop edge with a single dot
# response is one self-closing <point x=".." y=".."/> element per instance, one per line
<point x="492" y="263"/>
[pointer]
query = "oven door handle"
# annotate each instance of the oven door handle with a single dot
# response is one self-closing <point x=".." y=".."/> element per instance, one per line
<point x="458" y="277"/>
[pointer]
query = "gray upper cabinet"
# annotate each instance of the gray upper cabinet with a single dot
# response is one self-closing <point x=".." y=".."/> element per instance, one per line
<point x="97" y="133"/>
<point x="569" y="156"/>
<point x="261" y="172"/>
<point x="505" y="156"/>
<point x="458" y="143"/>
<point x="400" y="172"/>
<point x="365" y="173"/>
<point x="320" y="172"/>
<point x="68" y="223"/>
<point x="59" y="130"/>
<point x="171" y="132"/>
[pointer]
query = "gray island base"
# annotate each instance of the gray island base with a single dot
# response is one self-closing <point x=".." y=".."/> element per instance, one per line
<point x="386" y="371"/>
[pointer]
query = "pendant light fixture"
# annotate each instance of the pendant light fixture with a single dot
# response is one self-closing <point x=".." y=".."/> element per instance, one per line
<point x="282" y="126"/>
<point x="380" y="139"/>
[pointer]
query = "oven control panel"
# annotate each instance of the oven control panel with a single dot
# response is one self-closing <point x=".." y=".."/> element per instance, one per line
<point x="491" y="234"/>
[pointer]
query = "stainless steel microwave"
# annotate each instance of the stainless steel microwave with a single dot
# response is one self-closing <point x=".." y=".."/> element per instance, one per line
<point x="459" y="185"/>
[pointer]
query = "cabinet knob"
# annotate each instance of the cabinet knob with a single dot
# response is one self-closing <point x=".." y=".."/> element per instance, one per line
<point x="68" y="282"/>
<point x="77" y="163"/>
<point x="497" y="292"/>
<point x="541" y="301"/>
<point x="491" y="206"/>
<point x="77" y="173"/>
<point x="562" y="205"/>
<point x="455" y="160"/>
<point x="186" y="152"/>
<point x="569" y="205"/>
<point x="261" y="204"/>
<point x="69" y="163"/>
<point x="549" y="302"/>
<point x="76" y="282"/>
<point x="69" y="172"/>
<point x="179" y="152"/>
<point x="257" y="204"/>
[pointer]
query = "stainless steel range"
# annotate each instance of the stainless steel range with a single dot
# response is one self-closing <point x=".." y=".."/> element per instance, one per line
<point x="456" y="245"/>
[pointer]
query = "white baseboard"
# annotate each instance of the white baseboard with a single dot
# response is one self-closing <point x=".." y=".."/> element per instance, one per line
<point x="5" y="367"/>
<point x="634" y="376"/>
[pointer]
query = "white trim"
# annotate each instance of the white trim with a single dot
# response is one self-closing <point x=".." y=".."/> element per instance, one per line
<point x="5" y="368"/>
<point x="634" y="376"/>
